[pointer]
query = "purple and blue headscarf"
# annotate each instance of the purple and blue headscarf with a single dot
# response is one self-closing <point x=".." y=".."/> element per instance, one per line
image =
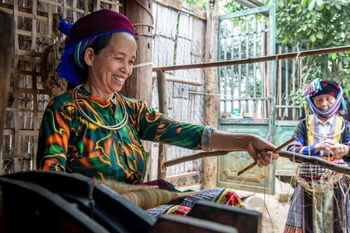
<point x="81" y="35"/>
<point x="321" y="87"/>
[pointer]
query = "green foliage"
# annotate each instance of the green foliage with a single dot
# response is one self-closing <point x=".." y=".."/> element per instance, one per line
<point x="199" y="4"/>
<point x="225" y="6"/>
<point x="317" y="24"/>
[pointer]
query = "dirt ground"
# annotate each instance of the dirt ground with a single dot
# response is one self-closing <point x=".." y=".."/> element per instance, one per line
<point x="273" y="207"/>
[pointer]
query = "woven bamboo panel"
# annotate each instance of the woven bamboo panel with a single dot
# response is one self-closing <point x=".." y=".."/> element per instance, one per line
<point x="33" y="80"/>
<point x="184" y="104"/>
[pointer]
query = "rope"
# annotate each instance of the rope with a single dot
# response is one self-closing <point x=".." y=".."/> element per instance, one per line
<point x="143" y="24"/>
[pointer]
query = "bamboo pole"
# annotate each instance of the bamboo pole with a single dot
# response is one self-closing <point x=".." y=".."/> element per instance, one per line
<point x="139" y="84"/>
<point x="163" y="108"/>
<point x="295" y="157"/>
<point x="170" y="78"/>
<point x="210" y="165"/>
<point x="282" y="56"/>
<point x="7" y="29"/>
<point x="195" y="156"/>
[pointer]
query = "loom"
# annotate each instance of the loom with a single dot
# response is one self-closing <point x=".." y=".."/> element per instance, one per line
<point x="42" y="201"/>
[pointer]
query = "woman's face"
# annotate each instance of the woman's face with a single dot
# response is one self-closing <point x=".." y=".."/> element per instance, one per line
<point x="324" y="102"/>
<point x="113" y="65"/>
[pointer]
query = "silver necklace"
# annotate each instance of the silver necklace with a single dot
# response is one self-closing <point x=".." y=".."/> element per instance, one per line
<point x="112" y="127"/>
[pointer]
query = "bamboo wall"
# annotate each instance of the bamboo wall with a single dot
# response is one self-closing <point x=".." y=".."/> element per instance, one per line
<point x="178" y="38"/>
<point x="36" y="49"/>
<point x="183" y="36"/>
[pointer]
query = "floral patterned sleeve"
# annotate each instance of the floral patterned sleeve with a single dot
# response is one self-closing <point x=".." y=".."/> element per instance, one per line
<point x="157" y="127"/>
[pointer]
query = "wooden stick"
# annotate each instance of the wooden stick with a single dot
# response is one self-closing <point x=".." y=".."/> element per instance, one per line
<point x="163" y="108"/>
<point x="195" y="156"/>
<point x="274" y="150"/>
<point x="295" y="157"/>
<point x="299" y="158"/>
<point x="170" y="78"/>
<point x="305" y="53"/>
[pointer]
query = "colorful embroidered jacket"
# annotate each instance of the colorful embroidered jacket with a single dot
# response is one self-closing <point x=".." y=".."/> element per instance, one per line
<point x="306" y="134"/>
<point x="69" y="142"/>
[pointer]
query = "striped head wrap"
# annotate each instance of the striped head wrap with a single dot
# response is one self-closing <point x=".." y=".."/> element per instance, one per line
<point x="320" y="87"/>
<point x="81" y="35"/>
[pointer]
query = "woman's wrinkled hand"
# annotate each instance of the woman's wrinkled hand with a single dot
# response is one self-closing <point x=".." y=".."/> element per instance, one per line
<point x="339" y="150"/>
<point x="262" y="151"/>
<point x="326" y="145"/>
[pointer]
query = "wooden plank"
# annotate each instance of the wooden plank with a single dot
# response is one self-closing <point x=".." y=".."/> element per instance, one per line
<point x="172" y="223"/>
<point x="243" y="220"/>
<point x="27" y="90"/>
<point x="11" y="156"/>
<point x="22" y="110"/>
<point x="18" y="133"/>
<point x="7" y="28"/>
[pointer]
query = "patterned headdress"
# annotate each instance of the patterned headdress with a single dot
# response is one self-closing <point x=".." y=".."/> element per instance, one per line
<point x="82" y="34"/>
<point x="320" y="87"/>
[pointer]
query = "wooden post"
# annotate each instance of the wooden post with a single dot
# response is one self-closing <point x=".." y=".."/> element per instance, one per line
<point x="212" y="102"/>
<point x="7" y="30"/>
<point x="139" y="84"/>
<point x="163" y="108"/>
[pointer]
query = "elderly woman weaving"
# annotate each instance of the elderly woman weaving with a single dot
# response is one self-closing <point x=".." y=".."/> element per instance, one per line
<point x="321" y="200"/>
<point x="94" y="131"/>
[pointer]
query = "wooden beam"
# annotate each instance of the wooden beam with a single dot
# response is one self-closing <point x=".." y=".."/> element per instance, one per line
<point x="306" y="53"/>
<point x="170" y="78"/>
<point x="139" y="84"/>
<point x="295" y="157"/>
<point x="210" y="164"/>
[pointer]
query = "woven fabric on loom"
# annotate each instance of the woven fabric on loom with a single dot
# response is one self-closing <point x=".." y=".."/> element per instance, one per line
<point x="208" y="195"/>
